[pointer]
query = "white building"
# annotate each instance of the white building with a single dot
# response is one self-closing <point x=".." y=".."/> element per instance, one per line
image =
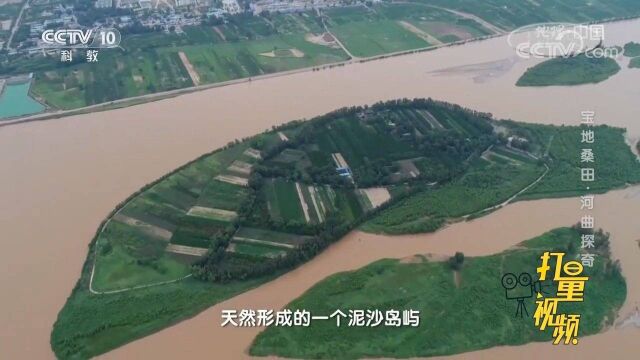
<point x="185" y="2"/>
<point x="104" y="4"/>
<point x="231" y="6"/>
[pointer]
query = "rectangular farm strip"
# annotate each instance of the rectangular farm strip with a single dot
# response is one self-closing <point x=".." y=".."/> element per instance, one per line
<point x="263" y="242"/>
<point x="282" y="136"/>
<point x="337" y="157"/>
<point x="240" y="167"/>
<point x="149" y="229"/>
<point x="253" y="153"/>
<point x="313" y="211"/>
<point x="430" y="39"/>
<point x="236" y="180"/>
<point x="220" y="33"/>
<point x="331" y="195"/>
<point x="274" y="236"/>
<point x="305" y="207"/>
<point x="312" y="192"/>
<point x="506" y="158"/>
<point x="377" y="196"/>
<point x="186" y="250"/>
<point x="195" y="78"/>
<point x="431" y="119"/>
<point x="272" y="200"/>
<point x="211" y="213"/>
<point x="259" y="250"/>
<point x="364" y="200"/>
<point x="418" y="121"/>
<point x="514" y="153"/>
<point x="455" y="125"/>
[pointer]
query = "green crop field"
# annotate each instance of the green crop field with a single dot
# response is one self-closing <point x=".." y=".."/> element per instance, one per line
<point x="475" y="308"/>
<point x="283" y="199"/>
<point x="388" y="28"/>
<point x="230" y="61"/>
<point x="368" y="39"/>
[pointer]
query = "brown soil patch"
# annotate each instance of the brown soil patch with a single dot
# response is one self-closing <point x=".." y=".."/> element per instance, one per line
<point x="408" y="168"/>
<point x="193" y="74"/>
<point x="220" y="33"/>
<point x="295" y="53"/>
<point x="240" y="167"/>
<point x="282" y="136"/>
<point x="211" y="213"/>
<point x="253" y="153"/>
<point x="339" y="160"/>
<point x="149" y="229"/>
<point x="186" y="250"/>
<point x="377" y="196"/>
<point x="324" y="39"/>
<point x="312" y="192"/>
<point x="235" y="180"/>
<point x="441" y="28"/>
<point x="303" y="203"/>
<point x="420" y="33"/>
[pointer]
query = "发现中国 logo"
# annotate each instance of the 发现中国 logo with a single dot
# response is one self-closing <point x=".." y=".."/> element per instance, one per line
<point x="549" y="40"/>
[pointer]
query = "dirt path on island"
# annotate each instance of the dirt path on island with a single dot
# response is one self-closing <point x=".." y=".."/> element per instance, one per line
<point x="220" y="33"/>
<point x="193" y="74"/>
<point x="432" y="40"/>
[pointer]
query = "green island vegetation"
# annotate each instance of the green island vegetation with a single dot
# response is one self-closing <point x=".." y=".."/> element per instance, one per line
<point x="566" y="71"/>
<point x="474" y="297"/>
<point x="241" y="215"/>
<point x="244" y="46"/>
<point x="632" y="49"/>
<point x="634" y="63"/>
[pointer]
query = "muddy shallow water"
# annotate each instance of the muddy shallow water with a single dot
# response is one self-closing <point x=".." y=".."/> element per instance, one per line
<point x="61" y="177"/>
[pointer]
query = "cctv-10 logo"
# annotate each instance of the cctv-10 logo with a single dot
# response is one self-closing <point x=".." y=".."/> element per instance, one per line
<point x="91" y="38"/>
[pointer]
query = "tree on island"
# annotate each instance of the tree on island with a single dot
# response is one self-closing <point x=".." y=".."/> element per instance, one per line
<point x="456" y="261"/>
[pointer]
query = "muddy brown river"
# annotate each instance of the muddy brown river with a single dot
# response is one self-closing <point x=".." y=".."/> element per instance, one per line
<point x="61" y="177"/>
